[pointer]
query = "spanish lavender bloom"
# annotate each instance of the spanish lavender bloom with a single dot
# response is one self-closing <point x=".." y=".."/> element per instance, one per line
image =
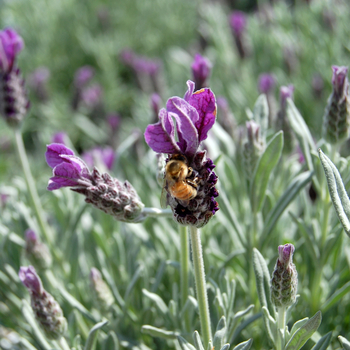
<point x="266" y="83"/>
<point x="37" y="252"/>
<point x="59" y="137"/>
<point x="337" y="113"/>
<point x="38" y="82"/>
<point x="284" y="282"/>
<point x="282" y="122"/>
<point x="83" y="76"/>
<point x="194" y="114"/>
<point x="101" y="190"/>
<point x="99" y="156"/>
<point x="47" y="311"/>
<point x="201" y="69"/>
<point x="253" y="148"/>
<point x="103" y="295"/>
<point x="91" y="96"/>
<point x="13" y="95"/>
<point x="238" y="24"/>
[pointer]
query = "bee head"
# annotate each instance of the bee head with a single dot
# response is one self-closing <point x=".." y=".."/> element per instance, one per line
<point x="177" y="169"/>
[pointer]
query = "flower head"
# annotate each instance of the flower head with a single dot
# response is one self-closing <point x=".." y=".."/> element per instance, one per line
<point x="101" y="190"/>
<point x="10" y="45"/>
<point x="47" y="311"/>
<point x="284" y="282"/>
<point x="59" y="137"/>
<point x="238" y="22"/>
<point x="201" y="69"/>
<point x="113" y="121"/>
<point x="190" y="118"/>
<point x="266" y="83"/>
<point x="83" y="76"/>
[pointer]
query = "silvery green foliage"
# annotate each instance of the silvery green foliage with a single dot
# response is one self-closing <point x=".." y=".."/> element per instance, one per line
<point x="344" y="342"/>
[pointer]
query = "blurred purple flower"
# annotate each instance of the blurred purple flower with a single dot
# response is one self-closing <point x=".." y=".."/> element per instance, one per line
<point x="10" y="45"/>
<point x="59" y="137"/>
<point x="340" y="81"/>
<point x="91" y="96"/>
<point x="238" y="22"/>
<point x="83" y="76"/>
<point x="317" y="85"/>
<point x="97" y="155"/>
<point x="37" y="81"/>
<point x="201" y="69"/>
<point x="127" y="57"/>
<point x="30" y="279"/>
<point x="285" y="92"/>
<point x="113" y="121"/>
<point x="266" y="83"/>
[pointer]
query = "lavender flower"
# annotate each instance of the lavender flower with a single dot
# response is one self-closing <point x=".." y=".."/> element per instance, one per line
<point x="103" y="295"/>
<point x="38" y="82"/>
<point x="99" y="155"/>
<point x="91" y="96"/>
<point x="47" y="311"/>
<point x="13" y="95"/>
<point x="201" y="69"/>
<point x="284" y="282"/>
<point x="37" y="253"/>
<point x="238" y="25"/>
<point x="113" y="121"/>
<point x="59" y="137"/>
<point x="194" y="114"/>
<point x="266" y="83"/>
<point x="101" y="190"/>
<point x="83" y="76"/>
<point x="337" y="113"/>
<point x="282" y="122"/>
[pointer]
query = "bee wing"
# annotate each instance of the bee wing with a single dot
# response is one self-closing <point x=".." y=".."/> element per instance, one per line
<point x="163" y="196"/>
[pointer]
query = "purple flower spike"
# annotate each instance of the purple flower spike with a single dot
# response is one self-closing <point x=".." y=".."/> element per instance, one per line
<point x="10" y="45"/>
<point x="194" y="115"/>
<point x="285" y="92"/>
<point x="201" y="69"/>
<point x="339" y="80"/>
<point x="113" y="121"/>
<point x="30" y="279"/>
<point x="266" y="83"/>
<point x="238" y="22"/>
<point x="59" y="137"/>
<point x="285" y="254"/>
<point x="83" y="75"/>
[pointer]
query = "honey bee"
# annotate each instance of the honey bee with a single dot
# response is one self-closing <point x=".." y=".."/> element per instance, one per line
<point x="177" y="180"/>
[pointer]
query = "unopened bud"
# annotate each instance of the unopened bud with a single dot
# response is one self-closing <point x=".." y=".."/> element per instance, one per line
<point x="201" y="69"/>
<point x="337" y="113"/>
<point x="37" y="253"/>
<point x="103" y="294"/>
<point x="284" y="282"/>
<point x="47" y="311"/>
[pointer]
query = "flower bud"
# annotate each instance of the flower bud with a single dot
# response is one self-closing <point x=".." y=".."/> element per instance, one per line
<point x="337" y="113"/>
<point x="37" y="253"/>
<point x="284" y="282"/>
<point x="253" y="148"/>
<point x="201" y="69"/>
<point x="103" y="294"/>
<point x="47" y="311"/>
<point x="238" y="24"/>
<point x="59" y="137"/>
<point x="266" y="83"/>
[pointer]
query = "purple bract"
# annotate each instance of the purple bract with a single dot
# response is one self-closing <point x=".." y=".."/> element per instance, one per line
<point x="97" y="155"/>
<point x="340" y="81"/>
<point x="30" y="279"/>
<point x="10" y="45"/>
<point x="266" y="83"/>
<point x="201" y="69"/>
<point x="238" y="22"/>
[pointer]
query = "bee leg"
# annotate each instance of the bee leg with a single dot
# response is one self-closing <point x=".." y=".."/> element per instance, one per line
<point x="190" y="171"/>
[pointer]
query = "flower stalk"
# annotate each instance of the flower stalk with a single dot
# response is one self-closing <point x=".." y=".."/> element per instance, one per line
<point x="201" y="288"/>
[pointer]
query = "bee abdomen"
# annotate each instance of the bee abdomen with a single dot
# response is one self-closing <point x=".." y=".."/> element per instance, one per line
<point x="183" y="191"/>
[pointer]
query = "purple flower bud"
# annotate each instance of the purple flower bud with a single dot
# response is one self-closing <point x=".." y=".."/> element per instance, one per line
<point x="37" y="82"/>
<point x="31" y="280"/>
<point x="195" y="114"/>
<point x="201" y="69"/>
<point x="92" y="96"/>
<point x="103" y="295"/>
<point x="37" y="253"/>
<point x="284" y="282"/>
<point x="238" y="22"/>
<point x="98" y="155"/>
<point x="59" y="137"/>
<point x="83" y="76"/>
<point x="127" y="57"/>
<point x="114" y="121"/>
<point x="101" y="190"/>
<point x="266" y="83"/>
<point x="10" y="45"/>
<point x="337" y="113"/>
<point x="285" y="92"/>
<point x="47" y="311"/>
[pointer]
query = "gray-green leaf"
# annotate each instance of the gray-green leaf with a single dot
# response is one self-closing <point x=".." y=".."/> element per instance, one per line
<point x="220" y="334"/>
<point x="91" y="340"/>
<point x="323" y="343"/>
<point x="157" y="332"/>
<point x="244" y="345"/>
<point x="344" y="342"/>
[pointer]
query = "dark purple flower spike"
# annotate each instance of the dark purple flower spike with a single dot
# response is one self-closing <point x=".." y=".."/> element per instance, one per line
<point x="101" y="190"/>
<point x="201" y="69"/>
<point x="13" y="95"/>
<point x="190" y="118"/>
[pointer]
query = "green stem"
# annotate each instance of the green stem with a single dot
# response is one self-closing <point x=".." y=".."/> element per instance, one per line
<point x="32" y="188"/>
<point x="281" y="325"/>
<point x="201" y="288"/>
<point x="156" y="213"/>
<point x="184" y="256"/>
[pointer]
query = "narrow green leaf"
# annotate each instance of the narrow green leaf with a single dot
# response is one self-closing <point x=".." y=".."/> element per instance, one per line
<point x="158" y="332"/>
<point x="283" y="202"/>
<point x="77" y="342"/>
<point x="303" y="334"/>
<point x="337" y="191"/>
<point x="242" y="313"/>
<point x="297" y="325"/>
<point x="225" y="347"/>
<point x="197" y="341"/>
<point x="220" y="334"/>
<point x="246" y="345"/>
<point x="266" y="164"/>
<point x="344" y="342"/>
<point x="111" y="342"/>
<point x="270" y="325"/>
<point x="159" y="302"/>
<point x="261" y="114"/>
<point x="185" y="345"/>
<point x="336" y="296"/>
<point x="262" y="277"/>
<point x="91" y="340"/>
<point x="323" y="343"/>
